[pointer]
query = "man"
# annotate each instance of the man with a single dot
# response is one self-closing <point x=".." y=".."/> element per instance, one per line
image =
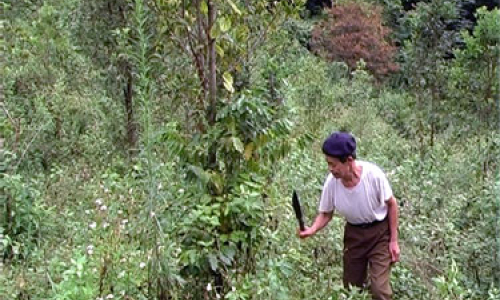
<point x="360" y="192"/>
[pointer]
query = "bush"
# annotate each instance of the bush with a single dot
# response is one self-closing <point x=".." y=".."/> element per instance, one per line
<point x="352" y="33"/>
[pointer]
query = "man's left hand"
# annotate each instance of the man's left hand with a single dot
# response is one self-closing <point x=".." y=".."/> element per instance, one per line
<point x="394" y="251"/>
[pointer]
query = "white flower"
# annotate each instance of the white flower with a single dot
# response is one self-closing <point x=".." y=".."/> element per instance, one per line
<point x="124" y="221"/>
<point x="106" y="190"/>
<point x="93" y="225"/>
<point x="123" y="260"/>
<point x="105" y="225"/>
<point x="87" y="212"/>
<point x="110" y="296"/>
<point x="103" y="208"/>
<point x="159" y="186"/>
<point x="98" y="202"/>
<point x="90" y="249"/>
<point x="122" y="274"/>
<point x="217" y="296"/>
<point x="233" y="289"/>
<point x="120" y="211"/>
<point x="181" y="191"/>
<point x="142" y="265"/>
<point x="152" y="214"/>
<point x="209" y="287"/>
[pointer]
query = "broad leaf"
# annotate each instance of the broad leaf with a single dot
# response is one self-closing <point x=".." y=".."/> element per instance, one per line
<point x="238" y="145"/>
<point x="228" y="82"/>
<point x="234" y="7"/>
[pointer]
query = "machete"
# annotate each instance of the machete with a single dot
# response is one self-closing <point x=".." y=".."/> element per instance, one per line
<point x="298" y="210"/>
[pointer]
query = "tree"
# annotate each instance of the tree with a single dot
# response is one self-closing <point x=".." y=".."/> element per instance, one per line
<point x="354" y="32"/>
<point x="474" y="76"/>
<point x="425" y="64"/>
<point x="97" y="28"/>
<point x="231" y="133"/>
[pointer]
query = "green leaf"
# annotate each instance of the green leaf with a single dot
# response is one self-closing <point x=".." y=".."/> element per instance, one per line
<point x="204" y="7"/>
<point x="234" y="7"/>
<point x="225" y="260"/>
<point x="219" y="50"/>
<point x="238" y="145"/>
<point x="200" y="173"/>
<point x="248" y="151"/>
<point x="206" y="243"/>
<point x="213" y="262"/>
<point x="228" y="82"/>
<point x="215" y="31"/>
<point x="225" y="24"/>
<point x="228" y="252"/>
<point x="217" y="181"/>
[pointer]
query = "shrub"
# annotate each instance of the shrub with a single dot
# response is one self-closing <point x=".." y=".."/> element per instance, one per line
<point x="352" y="33"/>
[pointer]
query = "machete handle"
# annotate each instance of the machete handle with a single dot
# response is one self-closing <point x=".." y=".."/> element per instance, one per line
<point x="298" y="210"/>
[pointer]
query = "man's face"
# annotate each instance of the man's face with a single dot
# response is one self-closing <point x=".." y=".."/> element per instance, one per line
<point x="336" y="167"/>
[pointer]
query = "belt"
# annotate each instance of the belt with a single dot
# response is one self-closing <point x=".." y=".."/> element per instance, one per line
<point x="367" y="225"/>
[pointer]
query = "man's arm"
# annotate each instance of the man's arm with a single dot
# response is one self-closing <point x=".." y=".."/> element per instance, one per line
<point x="321" y="220"/>
<point x="392" y="214"/>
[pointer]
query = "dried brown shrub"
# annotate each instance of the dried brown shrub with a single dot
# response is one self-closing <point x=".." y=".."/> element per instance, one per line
<point x="353" y="32"/>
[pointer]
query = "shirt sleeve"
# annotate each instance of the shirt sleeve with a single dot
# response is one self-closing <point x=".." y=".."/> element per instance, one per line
<point x="327" y="203"/>
<point x="385" y="190"/>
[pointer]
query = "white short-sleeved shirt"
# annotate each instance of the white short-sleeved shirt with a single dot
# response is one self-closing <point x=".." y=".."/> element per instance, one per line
<point x="364" y="203"/>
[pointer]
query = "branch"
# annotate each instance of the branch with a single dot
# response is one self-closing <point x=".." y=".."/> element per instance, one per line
<point x="15" y="124"/>
<point x="262" y="37"/>
<point x="29" y="145"/>
<point x="9" y="116"/>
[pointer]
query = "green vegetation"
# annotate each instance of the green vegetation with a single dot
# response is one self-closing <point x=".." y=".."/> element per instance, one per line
<point x="149" y="149"/>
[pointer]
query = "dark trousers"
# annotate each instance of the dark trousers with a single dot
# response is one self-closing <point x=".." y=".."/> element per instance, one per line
<point x="366" y="250"/>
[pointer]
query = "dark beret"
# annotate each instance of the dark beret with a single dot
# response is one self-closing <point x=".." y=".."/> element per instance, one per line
<point x="339" y="144"/>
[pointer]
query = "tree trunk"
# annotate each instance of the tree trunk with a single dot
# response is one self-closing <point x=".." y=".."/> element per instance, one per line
<point x="129" y="108"/>
<point x="212" y="61"/>
<point x="212" y="80"/>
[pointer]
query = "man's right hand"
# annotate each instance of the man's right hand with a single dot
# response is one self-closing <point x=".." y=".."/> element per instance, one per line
<point x="305" y="233"/>
<point x="321" y="220"/>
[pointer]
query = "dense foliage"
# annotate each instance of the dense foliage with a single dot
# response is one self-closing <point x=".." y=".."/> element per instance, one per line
<point x="149" y="148"/>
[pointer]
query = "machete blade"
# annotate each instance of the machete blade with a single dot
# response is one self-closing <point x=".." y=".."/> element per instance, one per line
<point x="298" y="210"/>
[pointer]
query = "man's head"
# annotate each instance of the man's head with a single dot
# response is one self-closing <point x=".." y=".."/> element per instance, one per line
<point x="340" y="151"/>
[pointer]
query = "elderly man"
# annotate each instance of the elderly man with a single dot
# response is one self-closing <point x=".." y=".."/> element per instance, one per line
<point x="361" y="193"/>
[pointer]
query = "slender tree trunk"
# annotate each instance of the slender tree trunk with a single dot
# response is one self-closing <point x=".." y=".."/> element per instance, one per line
<point x="491" y="75"/>
<point x="212" y="108"/>
<point x="212" y="79"/>
<point x="433" y="125"/>
<point x="8" y="215"/>
<point x="129" y="108"/>
<point x="496" y="274"/>
<point x="212" y="61"/>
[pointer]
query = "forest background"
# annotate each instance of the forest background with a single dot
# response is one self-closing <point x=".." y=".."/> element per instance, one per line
<point x="150" y="147"/>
